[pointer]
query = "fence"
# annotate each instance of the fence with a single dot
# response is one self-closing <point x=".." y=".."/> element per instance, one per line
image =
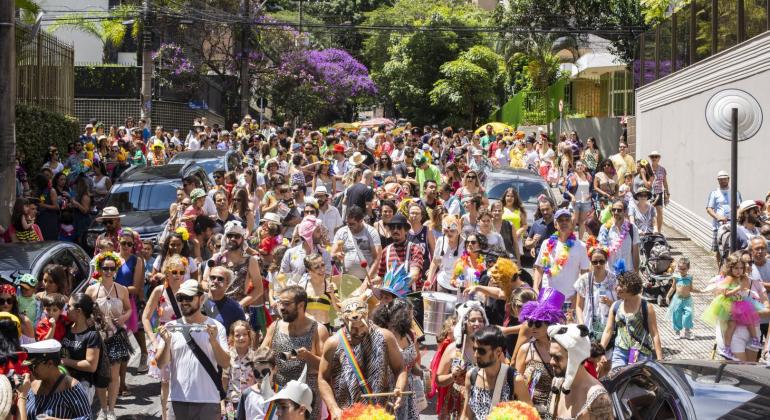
<point x="45" y="71"/>
<point x="698" y="30"/>
<point x="532" y="107"/>
<point x="170" y="115"/>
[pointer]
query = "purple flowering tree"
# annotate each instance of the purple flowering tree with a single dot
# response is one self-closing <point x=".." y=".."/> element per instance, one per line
<point x="174" y="70"/>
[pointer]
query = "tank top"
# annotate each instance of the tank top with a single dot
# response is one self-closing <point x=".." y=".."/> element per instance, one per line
<point x="287" y="370"/>
<point x="237" y="289"/>
<point x="110" y="307"/>
<point x="125" y="274"/>
<point x="165" y="309"/>
<point x="539" y="382"/>
<point x="320" y="303"/>
<point x="100" y="186"/>
<point x="582" y="194"/>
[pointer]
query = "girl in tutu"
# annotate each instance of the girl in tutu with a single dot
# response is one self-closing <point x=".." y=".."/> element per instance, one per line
<point x="734" y="305"/>
<point x="680" y="307"/>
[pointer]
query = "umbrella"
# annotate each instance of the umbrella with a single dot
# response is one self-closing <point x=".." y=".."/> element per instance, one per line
<point x="344" y="126"/>
<point x="376" y="122"/>
<point x="498" y="127"/>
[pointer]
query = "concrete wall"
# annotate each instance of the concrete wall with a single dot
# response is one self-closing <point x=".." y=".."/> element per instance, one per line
<point x="606" y="130"/>
<point x="670" y="118"/>
<point x="88" y="48"/>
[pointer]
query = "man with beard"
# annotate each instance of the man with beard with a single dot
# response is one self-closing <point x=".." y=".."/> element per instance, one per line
<point x="748" y="223"/>
<point x="110" y="218"/>
<point x="543" y="226"/>
<point x="491" y="375"/>
<point x="196" y="349"/>
<point x="246" y="286"/>
<point x="217" y="305"/>
<point x="357" y="245"/>
<point x="575" y="392"/>
<point x="328" y="214"/>
<point x="356" y="360"/>
<point x="297" y="340"/>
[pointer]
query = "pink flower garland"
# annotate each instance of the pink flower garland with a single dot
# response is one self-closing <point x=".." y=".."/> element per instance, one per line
<point x="623" y="233"/>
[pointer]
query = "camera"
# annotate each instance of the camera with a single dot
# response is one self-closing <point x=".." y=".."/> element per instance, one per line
<point x="286" y="355"/>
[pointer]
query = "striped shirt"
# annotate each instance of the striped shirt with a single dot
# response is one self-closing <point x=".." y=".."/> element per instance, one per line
<point x="71" y="403"/>
<point x="397" y="254"/>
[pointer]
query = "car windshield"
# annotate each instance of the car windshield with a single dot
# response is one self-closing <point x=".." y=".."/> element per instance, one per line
<point x="528" y="191"/>
<point x="132" y="197"/>
<point x="208" y="165"/>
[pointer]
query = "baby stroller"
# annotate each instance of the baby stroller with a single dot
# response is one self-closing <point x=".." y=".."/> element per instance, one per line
<point x="655" y="267"/>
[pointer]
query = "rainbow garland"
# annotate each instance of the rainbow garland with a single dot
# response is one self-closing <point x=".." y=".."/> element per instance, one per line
<point x="272" y="407"/>
<point x="365" y="388"/>
<point x="552" y="268"/>
<point x="465" y="261"/>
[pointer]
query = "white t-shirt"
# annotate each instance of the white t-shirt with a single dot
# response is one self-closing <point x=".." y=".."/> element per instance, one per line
<point x="254" y="405"/>
<point x="193" y="144"/>
<point x="609" y="237"/>
<point x="364" y="242"/>
<point x="446" y="257"/>
<point x="331" y="220"/>
<point x="189" y="381"/>
<point x="577" y="261"/>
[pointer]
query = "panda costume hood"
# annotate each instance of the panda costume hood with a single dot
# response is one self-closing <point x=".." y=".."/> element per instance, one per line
<point x="574" y="338"/>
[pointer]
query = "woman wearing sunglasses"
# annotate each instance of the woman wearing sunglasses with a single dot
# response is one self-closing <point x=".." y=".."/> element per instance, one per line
<point x="112" y="299"/>
<point x="595" y="292"/>
<point x="533" y="357"/>
<point x="162" y="301"/>
<point x="131" y="275"/>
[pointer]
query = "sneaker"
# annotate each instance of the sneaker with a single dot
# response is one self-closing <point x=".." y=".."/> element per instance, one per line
<point x="687" y="335"/>
<point x="754" y="344"/>
<point x="677" y="336"/>
<point x="143" y="367"/>
<point x="101" y="416"/>
<point x="726" y="352"/>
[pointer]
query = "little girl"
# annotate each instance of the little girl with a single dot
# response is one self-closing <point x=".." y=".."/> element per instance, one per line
<point x="680" y="302"/>
<point x="734" y="305"/>
<point x="252" y="403"/>
<point x="239" y="375"/>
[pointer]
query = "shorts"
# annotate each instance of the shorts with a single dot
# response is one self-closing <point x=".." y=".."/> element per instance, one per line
<point x="193" y="411"/>
<point x="657" y="200"/>
<point x="583" y="206"/>
<point x="620" y="357"/>
<point x="741" y="338"/>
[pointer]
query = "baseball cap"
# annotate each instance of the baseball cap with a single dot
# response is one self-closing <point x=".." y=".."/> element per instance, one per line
<point x="190" y="288"/>
<point x="562" y="212"/>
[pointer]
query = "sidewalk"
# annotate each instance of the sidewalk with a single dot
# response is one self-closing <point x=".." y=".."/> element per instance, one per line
<point x="703" y="268"/>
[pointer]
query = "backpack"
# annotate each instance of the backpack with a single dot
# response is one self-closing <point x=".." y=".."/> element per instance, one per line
<point x="723" y="240"/>
<point x="510" y="377"/>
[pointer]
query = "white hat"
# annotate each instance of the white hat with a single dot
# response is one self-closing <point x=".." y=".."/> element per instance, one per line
<point x="271" y="217"/>
<point x="110" y="213"/>
<point x="190" y="288"/>
<point x="6" y="396"/>
<point x="357" y="159"/>
<point x="654" y="153"/>
<point x="477" y="152"/>
<point x="45" y="348"/>
<point x="574" y="339"/>
<point x="723" y="174"/>
<point x="297" y="391"/>
<point x="371" y="144"/>
<point x="321" y="190"/>
<point x="747" y="204"/>
<point x="89" y="126"/>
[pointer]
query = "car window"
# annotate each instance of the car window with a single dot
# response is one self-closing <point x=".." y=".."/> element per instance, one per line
<point x="232" y="161"/>
<point x="528" y="191"/>
<point x="209" y="165"/>
<point x="67" y="259"/>
<point x="643" y="397"/>
<point x="203" y="179"/>
<point x="158" y="196"/>
<point x="125" y="197"/>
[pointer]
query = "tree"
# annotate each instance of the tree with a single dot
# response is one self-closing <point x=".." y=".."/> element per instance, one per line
<point x="110" y="29"/>
<point x="469" y="85"/>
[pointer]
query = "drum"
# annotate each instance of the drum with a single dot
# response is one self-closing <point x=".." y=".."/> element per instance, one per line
<point x="437" y="308"/>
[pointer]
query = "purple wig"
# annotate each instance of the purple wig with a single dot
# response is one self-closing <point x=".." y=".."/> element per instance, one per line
<point x="541" y="312"/>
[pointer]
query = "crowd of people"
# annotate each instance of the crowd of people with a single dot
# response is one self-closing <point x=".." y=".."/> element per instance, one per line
<point x="294" y="287"/>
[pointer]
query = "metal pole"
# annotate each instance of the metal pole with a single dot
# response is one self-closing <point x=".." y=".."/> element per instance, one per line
<point x="245" y="87"/>
<point x="7" y="110"/>
<point x="146" y="94"/>
<point x="734" y="182"/>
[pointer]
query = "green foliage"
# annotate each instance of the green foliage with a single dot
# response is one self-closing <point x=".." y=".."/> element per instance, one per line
<point x="28" y="10"/>
<point x="655" y="11"/>
<point x="469" y="85"/>
<point x="110" y="30"/>
<point x="36" y="129"/>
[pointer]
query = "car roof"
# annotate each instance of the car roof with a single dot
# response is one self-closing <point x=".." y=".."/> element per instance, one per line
<point x="513" y="173"/>
<point x="198" y="154"/>
<point x="21" y="256"/>
<point x="169" y="171"/>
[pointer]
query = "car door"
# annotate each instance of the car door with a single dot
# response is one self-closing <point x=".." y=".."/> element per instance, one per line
<point x="62" y="256"/>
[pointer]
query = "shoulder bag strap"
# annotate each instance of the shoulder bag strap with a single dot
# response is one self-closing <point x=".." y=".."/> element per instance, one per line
<point x="214" y="373"/>
<point x="591" y="294"/>
<point x="172" y="301"/>
<point x="501" y="377"/>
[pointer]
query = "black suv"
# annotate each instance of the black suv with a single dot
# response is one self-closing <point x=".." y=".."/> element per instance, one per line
<point x="210" y="160"/>
<point x="144" y="195"/>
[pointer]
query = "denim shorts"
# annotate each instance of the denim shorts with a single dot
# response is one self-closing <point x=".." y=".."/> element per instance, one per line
<point x="620" y="357"/>
<point x="582" y="206"/>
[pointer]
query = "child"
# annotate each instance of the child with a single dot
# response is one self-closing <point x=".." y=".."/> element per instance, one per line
<point x="680" y="302"/>
<point x="251" y="404"/>
<point x="66" y="228"/>
<point x="275" y="278"/>
<point x="52" y="322"/>
<point x="239" y="375"/>
<point x="29" y="306"/>
<point x="626" y="189"/>
<point x="735" y="306"/>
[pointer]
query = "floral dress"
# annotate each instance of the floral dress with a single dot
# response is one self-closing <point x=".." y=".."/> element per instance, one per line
<point x="408" y="409"/>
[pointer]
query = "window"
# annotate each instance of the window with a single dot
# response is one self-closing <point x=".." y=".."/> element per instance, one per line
<point x="643" y="397"/>
<point x="125" y="198"/>
<point x="157" y="196"/>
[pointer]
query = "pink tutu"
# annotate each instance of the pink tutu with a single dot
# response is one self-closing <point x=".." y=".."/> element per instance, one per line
<point x="744" y="313"/>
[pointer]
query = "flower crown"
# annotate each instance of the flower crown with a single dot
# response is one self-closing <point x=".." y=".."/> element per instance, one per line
<point x="182" y="231"/>
<point x="593" y="245"/>
<point x="105" y="256"/>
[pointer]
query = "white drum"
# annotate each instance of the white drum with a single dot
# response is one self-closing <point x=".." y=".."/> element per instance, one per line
<point x="437" y="307"/>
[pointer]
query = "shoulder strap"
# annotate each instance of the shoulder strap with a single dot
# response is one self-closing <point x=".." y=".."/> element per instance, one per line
<point x="501" y="376"/>
<point x="172" y="301"/>
<point x="474" y="374"/>
<point x="214" y="373"/>
<point x="644" y="315"/>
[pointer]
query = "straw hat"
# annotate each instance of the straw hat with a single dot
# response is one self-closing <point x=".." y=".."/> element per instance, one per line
<point x="110" y="213"/>
<point x="357" y="159"/>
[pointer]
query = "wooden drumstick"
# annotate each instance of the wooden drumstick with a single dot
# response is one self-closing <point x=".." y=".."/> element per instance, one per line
<point x="386" y="394"/>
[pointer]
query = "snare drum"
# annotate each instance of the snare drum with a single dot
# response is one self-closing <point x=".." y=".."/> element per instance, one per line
<point x="437" y="308"/>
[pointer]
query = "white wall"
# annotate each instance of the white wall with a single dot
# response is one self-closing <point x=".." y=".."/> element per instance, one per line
<point x="671" y="119"/>
<point x="88" y="48"/>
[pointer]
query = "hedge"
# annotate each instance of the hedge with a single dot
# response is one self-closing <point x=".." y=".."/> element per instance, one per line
<point x="107" y="81"/>
<point x="36" y="129"/>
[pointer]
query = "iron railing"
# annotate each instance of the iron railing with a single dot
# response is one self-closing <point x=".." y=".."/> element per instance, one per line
<point x="45" y="71"/>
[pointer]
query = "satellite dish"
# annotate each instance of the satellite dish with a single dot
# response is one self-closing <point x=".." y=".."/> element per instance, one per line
<point x="36" y="26"/>
<point x="719" y="114"/>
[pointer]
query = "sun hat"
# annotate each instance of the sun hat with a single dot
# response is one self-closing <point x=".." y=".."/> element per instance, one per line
<point x="642" y="191"/>
<point x="197" y="193"/>
<point x="6" y="396"/>
<point x="190" y="288"/>
<point x="110" y="213"/>
<point x="654" y="153"/>
<point x="723" y="174"/>
<point x="270" y="217"/>
<point x="746" y="205"/>
<point x="321" y="190"/>
<point x="357" y="159"/>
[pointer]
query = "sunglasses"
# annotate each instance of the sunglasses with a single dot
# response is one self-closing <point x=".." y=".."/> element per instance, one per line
<point x="618" y="210"/>
<point x="126" y="243"/>
<point x="535" y="324"/>
<point x="8" y="301"/>
<point x="259" y="374"/>
<point x="598" y="262"/>
<point x="481" y="351"/>
<point x="283" y="191"/>
<point x="472" y="242"/>
<point x="184" y="298"/>
<point x="176" y="272"/>
<point x="218" y="279"/>
<point x="108" y="222"/>
<point x="471" y="177"/>
<point x="233" y="236"/>
<point x="108" y="268"/>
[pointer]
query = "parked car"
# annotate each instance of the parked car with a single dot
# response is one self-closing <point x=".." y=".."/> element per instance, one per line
<point x="690" y="390"/>
<point x="32" y="257"/>
<point x="529" y="185"/>
<point x="210" y="160"/>
<point x="144" y="195"/>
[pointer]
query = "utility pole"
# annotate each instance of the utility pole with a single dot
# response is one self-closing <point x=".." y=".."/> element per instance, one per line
<point x="146" y="95"/>
<point x="245" y="85"/>
<point x="7" y="110"/>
